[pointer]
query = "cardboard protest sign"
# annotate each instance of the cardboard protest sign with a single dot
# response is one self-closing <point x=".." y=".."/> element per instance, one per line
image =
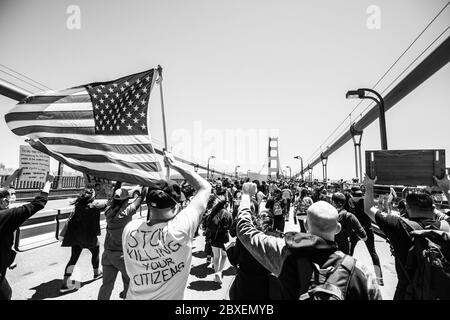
<point x="34" y="164"/>
<point x="103" y="187"/>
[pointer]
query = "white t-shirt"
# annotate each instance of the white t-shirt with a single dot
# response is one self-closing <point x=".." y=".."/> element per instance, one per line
<point x="158" y="257"/>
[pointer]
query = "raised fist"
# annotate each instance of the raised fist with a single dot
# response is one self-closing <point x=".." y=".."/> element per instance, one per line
<point x="249" y="188"/>
<point x="49" y="178"/>
<point x="169" y="160"/>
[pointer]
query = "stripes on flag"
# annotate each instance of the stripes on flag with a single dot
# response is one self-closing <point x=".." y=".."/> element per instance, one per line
<point x="99" y="129"/>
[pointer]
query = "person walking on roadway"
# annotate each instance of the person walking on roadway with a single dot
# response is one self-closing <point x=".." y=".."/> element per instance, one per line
<point x="82" y="232"/>
<point x="158" y="252"/>
<point x="296" y="257"/>
<point x="118" y="215"/>
<point x="10" y="220"/>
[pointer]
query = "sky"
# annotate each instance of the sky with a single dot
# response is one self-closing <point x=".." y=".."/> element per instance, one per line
<point x="237" y="72"/>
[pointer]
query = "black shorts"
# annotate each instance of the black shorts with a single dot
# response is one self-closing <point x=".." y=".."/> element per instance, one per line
<point x="218" y="244"/>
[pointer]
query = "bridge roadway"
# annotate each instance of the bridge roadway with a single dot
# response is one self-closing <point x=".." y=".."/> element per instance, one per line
<point x="39" y="271"/>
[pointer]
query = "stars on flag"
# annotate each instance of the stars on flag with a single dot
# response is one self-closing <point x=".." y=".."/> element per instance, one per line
<point x="121" y="107"/>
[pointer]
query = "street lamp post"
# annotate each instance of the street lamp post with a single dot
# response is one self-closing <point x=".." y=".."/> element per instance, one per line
<point x="248" y="172"/>
<point x="207" y="168"/>
<point x="235" y="171"/>
<point x="357" y="137"/>
<point x="361" y="94"/>
<point x="301" y="159"/>
<point x="324" y="161"/>
<point x="310" y="169"/>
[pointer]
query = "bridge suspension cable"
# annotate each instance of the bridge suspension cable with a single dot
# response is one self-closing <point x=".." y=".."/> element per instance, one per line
<point x="40" y="85"/>
<point x="315" y="153"/>
<point x="431" y="64"/>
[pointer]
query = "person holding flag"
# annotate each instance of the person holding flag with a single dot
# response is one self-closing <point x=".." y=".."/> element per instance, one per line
<point x="158" y="252"/>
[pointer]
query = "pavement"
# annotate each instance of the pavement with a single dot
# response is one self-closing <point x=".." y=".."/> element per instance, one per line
<point x="40" y="269"/>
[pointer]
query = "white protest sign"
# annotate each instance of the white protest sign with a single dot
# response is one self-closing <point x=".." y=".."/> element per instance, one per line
<point x="35" y="164"/>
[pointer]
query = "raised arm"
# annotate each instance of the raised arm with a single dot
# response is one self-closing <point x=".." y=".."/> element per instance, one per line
<point x="134" y="206"/>
<point x="11" y="178"/>
<point x="14" y="217"/>
<point x="444" y="185"/>
<point x="267" y="250"/>
<point x="200" y="185"/>
<point x="369" y="199"/>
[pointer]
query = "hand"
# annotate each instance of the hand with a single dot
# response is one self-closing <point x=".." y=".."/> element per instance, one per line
<point x="229" y="244"/>
<point x="444" y="183"/>
<point x="249" y="188"/>
<point x="49" y="178"/>
<point x="369" y="183"/>
<point x="144" y="191"/>
<point x="169" y="160"/>
<point x="17" y="173"/>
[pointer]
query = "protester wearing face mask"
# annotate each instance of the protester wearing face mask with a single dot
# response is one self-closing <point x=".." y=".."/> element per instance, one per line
<point x="10" y="220"/>
<point x="118" y="215"/>
<point x="82" y="232"/>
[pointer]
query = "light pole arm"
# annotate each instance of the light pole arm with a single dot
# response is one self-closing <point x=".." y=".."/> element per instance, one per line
<point x="383" y="134"/>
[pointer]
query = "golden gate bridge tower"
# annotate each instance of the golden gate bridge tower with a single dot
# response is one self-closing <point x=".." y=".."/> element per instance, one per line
<point x="274" y="159"/>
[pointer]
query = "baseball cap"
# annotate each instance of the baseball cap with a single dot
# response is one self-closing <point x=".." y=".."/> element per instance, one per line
<point x="165" y="195"/>
<point x="356" y="190"/>
<point x="338" y="198"/>
<point x="121" y="194"/>
<point x="419" y="200"/>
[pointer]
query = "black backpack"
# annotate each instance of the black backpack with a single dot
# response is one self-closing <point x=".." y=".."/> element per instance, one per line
<point x="428" y="263"/>
<point x="332" y="282"/>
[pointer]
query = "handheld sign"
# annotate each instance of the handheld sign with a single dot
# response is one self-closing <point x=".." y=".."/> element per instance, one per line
<point x="405" y="167"/>
<point x="35" y="164"/>
<point x="103" y="187"/>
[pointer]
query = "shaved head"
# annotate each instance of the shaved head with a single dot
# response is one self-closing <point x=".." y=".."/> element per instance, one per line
<point x="322" y="220"/>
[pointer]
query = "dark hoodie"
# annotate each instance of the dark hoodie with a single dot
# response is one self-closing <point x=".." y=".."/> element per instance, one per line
<point x="10" y="220"/>
<point x="280" y="256"/>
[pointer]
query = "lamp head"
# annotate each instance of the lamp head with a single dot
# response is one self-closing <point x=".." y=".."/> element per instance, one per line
<point x="355" y="94"/>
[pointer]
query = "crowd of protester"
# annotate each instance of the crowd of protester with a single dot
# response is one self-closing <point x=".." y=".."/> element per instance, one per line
<point x="244" y="222"/>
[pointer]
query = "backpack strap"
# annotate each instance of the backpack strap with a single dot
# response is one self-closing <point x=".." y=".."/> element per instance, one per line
<point x="324" y="280"/>
<point x="412" y="224"/>
<point x="305" y="277"/>
<point x="347" y="263"/>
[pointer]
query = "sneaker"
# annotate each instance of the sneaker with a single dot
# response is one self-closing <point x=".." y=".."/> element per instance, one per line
<point x="217" y="278"/>
<point x="69" y="286"/>
<point x="65" y="289"/>
<point x="98" y="274"/>
<point x="122" y="295"/>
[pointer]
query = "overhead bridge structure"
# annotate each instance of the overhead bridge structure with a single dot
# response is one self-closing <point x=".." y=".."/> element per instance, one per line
<point x="430" y="65"/>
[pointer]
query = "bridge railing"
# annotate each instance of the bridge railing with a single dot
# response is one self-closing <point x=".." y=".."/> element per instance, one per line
<point x="36" y="228"/>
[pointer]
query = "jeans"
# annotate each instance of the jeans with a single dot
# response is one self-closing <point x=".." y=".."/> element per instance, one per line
<point x="279" y="222"/>
<point x="112" y="263"/>
<point x="76" y="252"/>
<point x="370" y="244"/>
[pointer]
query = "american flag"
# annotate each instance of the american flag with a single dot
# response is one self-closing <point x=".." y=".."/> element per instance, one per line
<point x="99" y="128"/>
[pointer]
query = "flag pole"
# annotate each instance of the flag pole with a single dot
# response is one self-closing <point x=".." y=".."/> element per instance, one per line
<point x="163" y="117"/>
